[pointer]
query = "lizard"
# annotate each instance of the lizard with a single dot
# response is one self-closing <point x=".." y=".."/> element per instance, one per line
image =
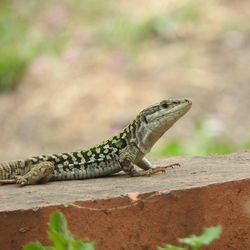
<point x="123" y="152"/>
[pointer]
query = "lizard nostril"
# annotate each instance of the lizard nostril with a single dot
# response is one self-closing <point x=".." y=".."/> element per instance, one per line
<point x="188" y="100"/>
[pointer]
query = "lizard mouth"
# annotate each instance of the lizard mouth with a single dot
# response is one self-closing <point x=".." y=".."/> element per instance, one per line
<point x="168" y="118"/>
<point x="178" y="110"/>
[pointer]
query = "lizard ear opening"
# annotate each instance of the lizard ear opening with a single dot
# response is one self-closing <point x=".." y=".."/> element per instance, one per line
<point x="164" y="104"/>
<point x="144" y="118"/>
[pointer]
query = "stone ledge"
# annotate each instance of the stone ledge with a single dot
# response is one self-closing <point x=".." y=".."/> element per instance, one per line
<point x="204" y="191"/>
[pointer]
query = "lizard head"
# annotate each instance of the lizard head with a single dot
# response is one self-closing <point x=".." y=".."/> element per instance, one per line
<point x="155" y="120"/>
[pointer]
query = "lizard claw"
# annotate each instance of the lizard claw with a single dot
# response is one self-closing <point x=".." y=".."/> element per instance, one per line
<point x="149" y="172"/>
<point x="176" y="164"/>
<point x="161" y="169"/>
<point x="172" y="165"/>
<point x="21" y="181"/>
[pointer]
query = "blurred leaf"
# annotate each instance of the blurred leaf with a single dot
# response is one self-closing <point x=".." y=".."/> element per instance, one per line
<point x="34" y="246"/>
<point x="171" y="247"/>
<point x="37" y="246"/>
<point x="58" y="231"/>
<point x="196" y="242"/>
<point x="61" y="237"/>
<point x="81" y="245"/>
<point x="208" y="236"/>
<point x="58" y="224"/>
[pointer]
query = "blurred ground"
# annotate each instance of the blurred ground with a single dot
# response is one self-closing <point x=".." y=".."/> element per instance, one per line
<point x="120" y="57"/>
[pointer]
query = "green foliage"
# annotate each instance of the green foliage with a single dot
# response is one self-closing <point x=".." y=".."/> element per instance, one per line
<point x="169" y="26"/>
<point x="173" y="147"/>
<point x="37" y="246"/>
<point x="197" y="242"/>
<point x="19" y="43"/>
<point x="12" y="65"/>
<point x="247" y="145"/>
<point x="171" y="247"/>
<point x="61" y="237"/>
<point x="121" y="31"/>
<point x="206" y="238"/>
<point x="13" y="59"/>
<point x="202" y="142"/>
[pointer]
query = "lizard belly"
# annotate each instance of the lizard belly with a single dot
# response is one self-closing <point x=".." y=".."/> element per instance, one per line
<point x="86" y="170"/>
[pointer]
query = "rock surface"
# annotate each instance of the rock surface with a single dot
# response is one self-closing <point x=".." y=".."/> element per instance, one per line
<point x="138" y="213"/>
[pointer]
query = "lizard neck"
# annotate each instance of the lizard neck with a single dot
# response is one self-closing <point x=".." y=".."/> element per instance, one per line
<point x="142" y="136"/>
<point x="134" y="138"/>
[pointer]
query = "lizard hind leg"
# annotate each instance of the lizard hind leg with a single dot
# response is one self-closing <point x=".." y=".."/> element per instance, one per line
<point x="40" y="173"/>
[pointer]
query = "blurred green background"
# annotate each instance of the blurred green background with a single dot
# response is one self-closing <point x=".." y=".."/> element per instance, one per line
<point x="74" y="72"/>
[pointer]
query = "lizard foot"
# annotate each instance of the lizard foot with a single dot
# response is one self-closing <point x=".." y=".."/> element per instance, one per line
<point x="21" y="181"/>
<point x="162" y="169"/>
<point x="40" y="173"/>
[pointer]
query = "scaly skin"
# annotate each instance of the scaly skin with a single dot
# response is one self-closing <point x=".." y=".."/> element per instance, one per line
<point x="123" y="151"/>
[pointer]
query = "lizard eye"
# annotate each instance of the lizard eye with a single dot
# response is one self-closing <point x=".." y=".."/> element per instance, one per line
<point x="164" y="105"/>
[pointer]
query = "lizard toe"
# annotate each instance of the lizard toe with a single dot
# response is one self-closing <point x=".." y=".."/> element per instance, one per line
<point x="21" y="181"/>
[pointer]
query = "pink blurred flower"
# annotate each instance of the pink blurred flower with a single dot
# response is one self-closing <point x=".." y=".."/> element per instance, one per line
<point x="39" y="66"/>
<point x="72" y="55"/>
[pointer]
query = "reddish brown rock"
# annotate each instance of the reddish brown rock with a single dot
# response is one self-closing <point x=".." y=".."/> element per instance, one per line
<point x="138" y="213"/>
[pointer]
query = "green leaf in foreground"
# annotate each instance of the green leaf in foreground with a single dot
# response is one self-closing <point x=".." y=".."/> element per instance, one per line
<point x="58" y="231"/>
<point x="208" y="236"/>
<point x="37" y="246"/>
<point x="61" y="237"/>
<point x="196" y="242"/>
<point x="171" y="247"/>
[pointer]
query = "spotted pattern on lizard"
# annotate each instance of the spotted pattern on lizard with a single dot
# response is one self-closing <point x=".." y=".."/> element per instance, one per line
<point x="124" y="151"/>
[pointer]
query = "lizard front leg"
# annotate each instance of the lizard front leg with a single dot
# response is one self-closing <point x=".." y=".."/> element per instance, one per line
<point x="149" y="169"/>
<point x="128" y="162"/>
<point x="129" y="168"/>
<point x="40" y="173"/>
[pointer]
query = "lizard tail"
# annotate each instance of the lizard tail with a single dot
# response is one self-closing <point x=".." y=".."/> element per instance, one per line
<point x="9" y="169"/>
